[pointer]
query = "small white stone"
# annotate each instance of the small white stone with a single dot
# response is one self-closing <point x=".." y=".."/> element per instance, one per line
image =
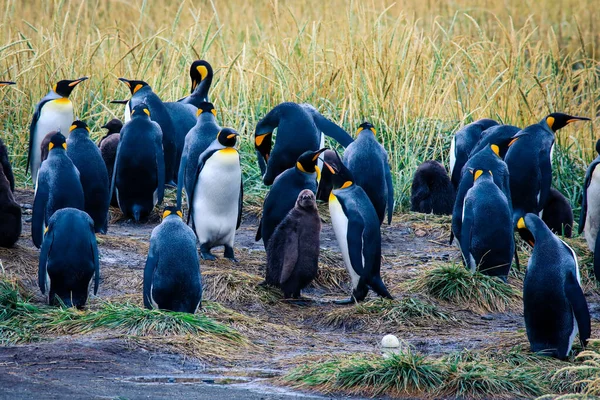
<point x="390" y="341"/>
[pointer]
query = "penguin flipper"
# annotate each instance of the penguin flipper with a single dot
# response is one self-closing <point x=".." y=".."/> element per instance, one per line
<point x="258" y="231"/>
<point x="390" y="188"/>
<point x="42" y="268"/>
<point x="151" y="263"/>
<point x="181" y="179"/>
<point x="331" y="129"/>
<point x="356" y="228"/>
<point x="201" y="162"/>
<point x="466" y="235"/>
<point x="34" y="121"/>
<point x="290" y="256"/>
<point x="240" y="205"/>
<point x="39" y="212"/>
<point x="160" y="164"/>
<point x="545" y="182"/>
<point x="94" y="249"/>
<point x="580" y="308"/>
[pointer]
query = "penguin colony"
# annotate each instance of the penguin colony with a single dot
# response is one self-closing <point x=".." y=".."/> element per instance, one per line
<point x="499" y="185"/>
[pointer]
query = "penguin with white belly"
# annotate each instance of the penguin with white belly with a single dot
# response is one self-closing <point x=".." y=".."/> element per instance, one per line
<point x="53" y="113"/>
<point x="589" y="221"/>
<point x="357" y="231"/>
<point x="215" y="204"/>
<point x="554" y="306"/>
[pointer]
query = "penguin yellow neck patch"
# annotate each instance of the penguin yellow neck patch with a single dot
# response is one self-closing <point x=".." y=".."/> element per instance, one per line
<point x="332" y="197"/>
<point x="346" y="184"/>
<point x="550" y="121"/>
<point x="62" y="101"/>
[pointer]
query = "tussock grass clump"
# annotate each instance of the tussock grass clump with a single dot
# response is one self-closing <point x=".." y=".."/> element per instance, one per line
<point x="233" y="286"/>
<point x="464" y="375"/>
<point x="385" y="313"/>
<point x="586" y="375"/>
<point x="456" y="284"/>
<point x="331" y="276"/>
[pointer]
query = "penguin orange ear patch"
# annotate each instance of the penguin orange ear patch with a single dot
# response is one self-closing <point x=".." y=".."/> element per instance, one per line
<point x="373" y="130"/>
<point x="477" y="174"/>
<point x="137" y="87"/>
<point x="214" y="112"/>
<point x="166" y="213"/>
<point x="64" y="145"/>
<point x="550" y="121"/>
<point x="180" y="213"/>
<point x="203" y="71"/>
<point x="496" y="149"/>
<point x="521" y="223"/>
<point x="259" y="139"/>
<point x="360" y="128"/>
<point x="50" y="146"/>
<point x="147" y="112"/>
<point x="512" y="141"/>
<point x="346" y="184"/>
<point x="72" y="127"/>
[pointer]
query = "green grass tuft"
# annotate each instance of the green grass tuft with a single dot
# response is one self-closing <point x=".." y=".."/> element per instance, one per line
<point x="456" y="284"/>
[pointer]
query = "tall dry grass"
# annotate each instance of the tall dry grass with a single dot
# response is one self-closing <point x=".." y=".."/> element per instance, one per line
<point x="416" y="69"/>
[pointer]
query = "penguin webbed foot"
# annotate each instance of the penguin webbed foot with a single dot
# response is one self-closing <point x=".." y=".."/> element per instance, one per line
<point x="207" y="255"/>
<point x="351" y="300"/>
<point x="229" y="254"/>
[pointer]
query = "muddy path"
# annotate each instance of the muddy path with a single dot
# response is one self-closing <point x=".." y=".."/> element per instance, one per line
<point x="282" y="335"/>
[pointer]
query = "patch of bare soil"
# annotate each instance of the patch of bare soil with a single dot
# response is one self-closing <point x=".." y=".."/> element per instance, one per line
<point x="283" y="334"/>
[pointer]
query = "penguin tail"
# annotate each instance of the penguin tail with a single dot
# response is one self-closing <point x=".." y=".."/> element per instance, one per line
<point x="137" y="212"/>
<point x="379" y="287"/>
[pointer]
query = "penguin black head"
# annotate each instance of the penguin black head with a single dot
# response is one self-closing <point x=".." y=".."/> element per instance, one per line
<point x="199" y="71"/>
<point x="307" y="162"/>
<point x="172" y="210"/>
<point x="366" y="126"/>
<point x="64" y="88"/>
<point x="307" y="200"/>
<point x="206" y="107"/>
<point x="133" y="86"/>
<point x="58" y="141"/>
<point x="79" y="125"/>
<point x="556" y="121"/>
<point x="529" y="226"/>
<point x="227" y="137"/>
<point x="6" y="83"/>
<point x="341" y="177"/>
<point x="113" y="126"/>
<point x="140" y="110"/>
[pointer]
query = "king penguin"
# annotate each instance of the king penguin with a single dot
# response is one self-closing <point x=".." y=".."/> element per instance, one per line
<point x="216" y="202"/>
<point x="172" y="273"/>
<point x="141" y="92"/>
<point x="589" y="220"/>
<point x="58" y="186"/>
<point x="93" y="174"/>
<point x="367" y="160"/>
<point x="285" y="190"/>
<point x="462" y="143"/>
<point x="488" y="159"/>
<point x="500" y="135"/>
<point x="487" y="239"/>
<point x="53" y="113"/>
<point x="299" y="129"/>
<point x="69" y="258"/>
<point x="138" y="177"/>
<point x="197" y="140"/>
<point x="183" y="112"/>
<point x="529" y="161"/>
<point x="357" y="231"/>
<point x="10" y="214"/>
<point x="555" y="308"/>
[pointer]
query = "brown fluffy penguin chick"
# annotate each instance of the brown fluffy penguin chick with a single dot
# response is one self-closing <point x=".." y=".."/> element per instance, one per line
<point x="432" y="191"/>
<point x="293" y="250"/>
<point x="10" y="214"/>
<point x="108" y="149"/>
<point x="558" y="214"/>
<point x="44" y="146"/>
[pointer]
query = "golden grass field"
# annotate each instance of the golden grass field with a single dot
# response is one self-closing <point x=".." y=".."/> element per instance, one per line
<point x="416" y="69"/>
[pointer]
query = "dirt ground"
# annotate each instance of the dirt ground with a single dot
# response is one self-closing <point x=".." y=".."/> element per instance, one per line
<point x="282" y="335"/>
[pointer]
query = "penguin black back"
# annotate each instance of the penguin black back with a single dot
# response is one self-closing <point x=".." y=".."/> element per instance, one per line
<point x="69" y="258"/>
<point x="558" y="214"/>
<point x="6" y="167"/>
<point x="432" y="191"/>
<point x="10" y="214"/>
<point x="367" y="160"/>
<point x="138" y="177"/>
<point x="87" y="158"/>
<point x="58" y="186"/>
<point x="555" y="307"/>
<point x="487" y="240"/>
<point x="293" y="251"/>
<point x="284" y="193"/>
<point x="462" y="144"/>
<point x="172" y="273"/>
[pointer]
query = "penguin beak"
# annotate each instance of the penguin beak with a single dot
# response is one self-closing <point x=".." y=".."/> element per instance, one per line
<point x="125" y="81"/>
<point x="317" y="153"/>
<point x="119" y="101"/>
<point x="231" y="136"/>
<point x="78" y="81"/>
<point x="6" y="83"/>
<point x="575" y="119"/>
